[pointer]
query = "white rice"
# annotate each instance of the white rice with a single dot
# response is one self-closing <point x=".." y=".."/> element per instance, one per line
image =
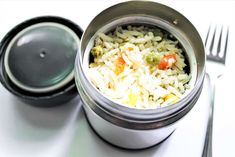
<point x="138" y="84"/>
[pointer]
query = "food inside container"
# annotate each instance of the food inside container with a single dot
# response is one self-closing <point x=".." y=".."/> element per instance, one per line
<point x="138" y="66"/>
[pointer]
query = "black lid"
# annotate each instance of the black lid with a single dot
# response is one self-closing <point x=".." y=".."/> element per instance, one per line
<point x="37" y="60"/>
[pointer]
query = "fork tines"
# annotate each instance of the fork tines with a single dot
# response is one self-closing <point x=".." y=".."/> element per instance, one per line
<point x="218" y="39"/>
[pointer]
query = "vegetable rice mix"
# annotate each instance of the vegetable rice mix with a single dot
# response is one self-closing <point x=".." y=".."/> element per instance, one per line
<point x="139" y="66"/>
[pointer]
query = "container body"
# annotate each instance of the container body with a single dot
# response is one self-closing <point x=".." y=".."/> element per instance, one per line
<point x="124" y="137"/>
<point x="138" y="128"/>
<point x="129" y="137"/>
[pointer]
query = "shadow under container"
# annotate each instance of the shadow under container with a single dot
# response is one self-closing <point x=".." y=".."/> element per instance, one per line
<point x="139" y="128"/>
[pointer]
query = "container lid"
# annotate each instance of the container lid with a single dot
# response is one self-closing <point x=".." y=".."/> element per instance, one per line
<point x="38" y="55"/>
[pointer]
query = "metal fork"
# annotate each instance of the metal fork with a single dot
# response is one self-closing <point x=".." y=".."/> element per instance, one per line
<point x="216" y="59"/>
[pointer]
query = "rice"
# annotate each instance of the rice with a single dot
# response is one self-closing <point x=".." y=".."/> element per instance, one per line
<point x="140" y="67"/>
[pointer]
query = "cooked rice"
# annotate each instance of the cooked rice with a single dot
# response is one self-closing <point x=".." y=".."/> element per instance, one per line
<point x="137" y="81"/>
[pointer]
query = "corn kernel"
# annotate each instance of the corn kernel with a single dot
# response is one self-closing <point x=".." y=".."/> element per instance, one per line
<point x="132" y="98"/>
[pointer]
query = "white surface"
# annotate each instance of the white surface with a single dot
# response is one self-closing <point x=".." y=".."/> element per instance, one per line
<point x="27" y="131"/>
<point x="63" y="131"/>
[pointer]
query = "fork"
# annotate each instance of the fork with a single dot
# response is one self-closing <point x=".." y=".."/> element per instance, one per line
<point x="216" y="59"/>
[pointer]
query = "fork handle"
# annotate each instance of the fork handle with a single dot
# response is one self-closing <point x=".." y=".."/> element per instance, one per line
<point x="207" y="150"/>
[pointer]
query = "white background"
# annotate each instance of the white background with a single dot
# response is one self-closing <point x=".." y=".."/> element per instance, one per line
<point x="27" y="131"/>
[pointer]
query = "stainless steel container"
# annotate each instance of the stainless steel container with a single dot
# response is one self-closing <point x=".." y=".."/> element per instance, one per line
<point x="135" y="128"/>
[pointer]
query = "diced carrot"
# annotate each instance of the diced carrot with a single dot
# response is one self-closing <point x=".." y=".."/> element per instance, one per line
<point x="169" y="56"/>
<point x="163" y="63"/>
<point x="167" y="61"/>
<point x="121" y="60"/>
<point x="130" y="48"/>
<point x="119" y="65"/>
<point x="119" y="68"/>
